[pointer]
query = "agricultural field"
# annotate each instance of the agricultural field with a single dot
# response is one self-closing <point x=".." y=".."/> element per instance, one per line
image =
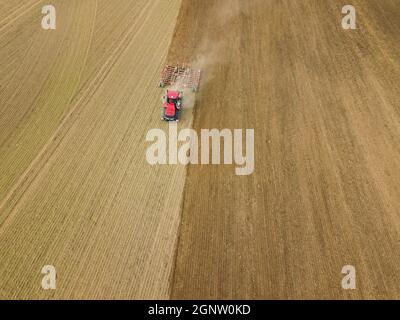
<point x="77" y="192"/>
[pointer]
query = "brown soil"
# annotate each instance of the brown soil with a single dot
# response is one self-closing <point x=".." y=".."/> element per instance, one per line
<point x="324" y="104"/>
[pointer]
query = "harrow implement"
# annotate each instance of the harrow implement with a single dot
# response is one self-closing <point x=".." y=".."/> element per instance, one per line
<point x="182" y="76"/>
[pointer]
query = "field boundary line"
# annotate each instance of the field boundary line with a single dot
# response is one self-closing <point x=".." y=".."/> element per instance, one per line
<point x="172" y="276"/>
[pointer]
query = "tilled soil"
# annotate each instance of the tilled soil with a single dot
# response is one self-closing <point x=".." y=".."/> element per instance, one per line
<point x="324" y="104"/>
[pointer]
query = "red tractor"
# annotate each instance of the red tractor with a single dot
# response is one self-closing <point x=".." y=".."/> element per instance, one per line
<point x="181" y="77"/>
<point x="172" y="105"/>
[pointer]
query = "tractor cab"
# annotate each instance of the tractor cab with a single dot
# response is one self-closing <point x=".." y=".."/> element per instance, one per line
<point x="174" y="97"/>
